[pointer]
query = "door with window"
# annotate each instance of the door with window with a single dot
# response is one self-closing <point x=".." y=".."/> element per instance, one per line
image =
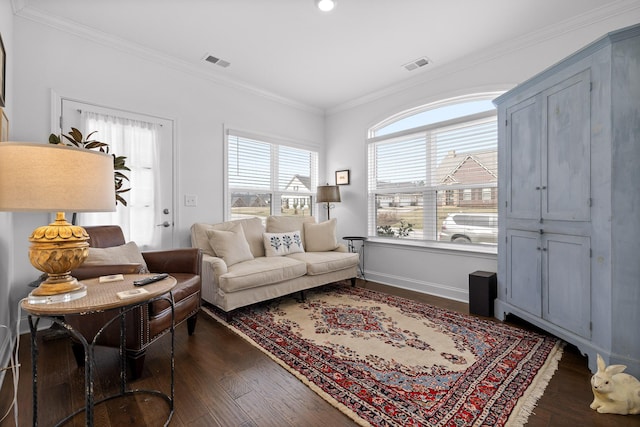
<point x="147" y="144"/>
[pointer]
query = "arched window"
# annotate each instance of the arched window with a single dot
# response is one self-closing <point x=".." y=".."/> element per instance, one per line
<point x="433" y="173"/>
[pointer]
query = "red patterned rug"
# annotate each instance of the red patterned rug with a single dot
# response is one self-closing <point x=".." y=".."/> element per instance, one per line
<point x="389" y="361"/>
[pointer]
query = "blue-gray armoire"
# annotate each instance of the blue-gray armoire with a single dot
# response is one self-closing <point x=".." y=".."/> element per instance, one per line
<point x="569" y="200"/>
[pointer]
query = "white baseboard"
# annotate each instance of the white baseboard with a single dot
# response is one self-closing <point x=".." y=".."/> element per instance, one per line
<point x="429" y="288"/>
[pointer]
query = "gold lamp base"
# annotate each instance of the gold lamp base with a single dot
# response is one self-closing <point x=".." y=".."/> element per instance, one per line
<point x="56" y="249"/>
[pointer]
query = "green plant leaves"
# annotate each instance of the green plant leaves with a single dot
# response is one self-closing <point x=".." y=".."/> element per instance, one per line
<point x="76" y="139"/>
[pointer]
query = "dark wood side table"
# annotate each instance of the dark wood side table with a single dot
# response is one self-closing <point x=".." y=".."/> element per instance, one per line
<point x="359" y="250"/>
<point x="101" y="297"/>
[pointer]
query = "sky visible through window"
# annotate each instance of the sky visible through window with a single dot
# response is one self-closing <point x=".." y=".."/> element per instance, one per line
<point x="436" y="115"/>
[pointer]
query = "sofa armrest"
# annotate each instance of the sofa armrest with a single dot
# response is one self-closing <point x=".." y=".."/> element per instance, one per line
<point x="90" y="271"/>
<point x="216" y="266"/>
<point x="185" y="260"/>
<point x="341" y="248"/>
<point x="212" y="268"/>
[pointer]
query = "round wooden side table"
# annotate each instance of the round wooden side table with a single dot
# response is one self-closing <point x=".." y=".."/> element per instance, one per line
<point x="101" y="297"/>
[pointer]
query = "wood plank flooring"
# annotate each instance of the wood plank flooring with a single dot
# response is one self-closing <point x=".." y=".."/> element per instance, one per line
<point x="221" y="380"/>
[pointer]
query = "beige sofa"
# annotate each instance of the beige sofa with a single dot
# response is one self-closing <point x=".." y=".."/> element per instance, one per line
<point x="244" y="263"/>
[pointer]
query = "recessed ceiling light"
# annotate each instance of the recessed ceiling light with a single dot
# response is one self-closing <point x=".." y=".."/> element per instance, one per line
<point x="326" y="5"/>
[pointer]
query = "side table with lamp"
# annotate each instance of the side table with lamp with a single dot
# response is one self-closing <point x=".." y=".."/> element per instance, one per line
<point x="41" y="177"/>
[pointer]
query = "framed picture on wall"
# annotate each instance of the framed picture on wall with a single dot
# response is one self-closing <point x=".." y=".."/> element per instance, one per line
<point x="4" y="126"/>
<point x="342" y="177"/>
<point x="3" y="72"/>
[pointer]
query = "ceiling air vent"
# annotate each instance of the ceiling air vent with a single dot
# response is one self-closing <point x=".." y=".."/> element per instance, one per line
<point x="414" y="65"/>
<point x="217" y="61"/>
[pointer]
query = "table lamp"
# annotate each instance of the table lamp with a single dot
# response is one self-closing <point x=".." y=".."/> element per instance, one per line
<point x="328" y="194"/>
<point x="55" y="178"/>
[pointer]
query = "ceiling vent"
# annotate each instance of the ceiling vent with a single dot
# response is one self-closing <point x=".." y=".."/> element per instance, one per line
<point x="414" y="65"/>
<point x="217" y="61"/>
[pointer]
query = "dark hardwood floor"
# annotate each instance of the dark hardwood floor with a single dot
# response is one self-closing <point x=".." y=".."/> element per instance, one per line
<point x="221" y="380"/>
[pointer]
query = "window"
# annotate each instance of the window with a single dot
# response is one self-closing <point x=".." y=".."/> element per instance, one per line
<point x="266" y="178"/>
<point x="429" y="165"/>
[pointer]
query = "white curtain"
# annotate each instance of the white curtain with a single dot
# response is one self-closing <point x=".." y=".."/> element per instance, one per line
<point x="137" y="141"/>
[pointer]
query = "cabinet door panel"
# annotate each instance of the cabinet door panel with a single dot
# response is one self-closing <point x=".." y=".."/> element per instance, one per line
<point x="523" y="159"/>
<point x="523" y="271"/>
<point x="566" y="159"/>
<point x="567" y="286"/>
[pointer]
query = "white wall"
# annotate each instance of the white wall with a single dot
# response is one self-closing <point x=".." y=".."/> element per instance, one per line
<point x="442" y="273"/>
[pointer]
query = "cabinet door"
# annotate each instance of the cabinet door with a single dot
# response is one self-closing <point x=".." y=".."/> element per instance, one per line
<point x="522" y="181"/>
<point x="524" y="284"/>
<point x="567" y="282"/>
<point x="566" y="158"/>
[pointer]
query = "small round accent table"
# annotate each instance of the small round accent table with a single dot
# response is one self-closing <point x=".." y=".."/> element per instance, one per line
<point x="101" y="297"/>
<point x="359" y="249"/>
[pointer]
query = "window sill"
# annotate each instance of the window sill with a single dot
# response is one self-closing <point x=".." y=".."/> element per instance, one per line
<point x="436" y="246"/>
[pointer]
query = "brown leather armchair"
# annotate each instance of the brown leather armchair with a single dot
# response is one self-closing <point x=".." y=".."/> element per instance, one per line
<point x="149" y="322"/>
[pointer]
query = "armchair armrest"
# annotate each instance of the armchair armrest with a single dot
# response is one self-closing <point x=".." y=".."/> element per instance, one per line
<point x="185" y="260"/>
<point x="89" y="271"/>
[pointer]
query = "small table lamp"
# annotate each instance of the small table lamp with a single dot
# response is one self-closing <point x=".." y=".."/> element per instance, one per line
<point x="55" y="178"/>
<point x="328" y="194"/>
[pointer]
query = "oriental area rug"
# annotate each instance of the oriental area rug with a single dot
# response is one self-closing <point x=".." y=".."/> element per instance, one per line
<point x="389" y="361"/>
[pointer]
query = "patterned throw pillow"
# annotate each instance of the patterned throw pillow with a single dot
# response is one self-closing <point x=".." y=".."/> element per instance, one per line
<point x="278" y="244"/>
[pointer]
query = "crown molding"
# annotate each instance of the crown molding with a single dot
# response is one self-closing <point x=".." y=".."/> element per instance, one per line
<point x="23" y="10"/>
<point x="17" y="5"/>
<point x="567" y="26"/>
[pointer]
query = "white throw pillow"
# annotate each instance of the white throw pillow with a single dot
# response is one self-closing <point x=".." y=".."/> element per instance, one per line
<point x="231" y="245"/>
<point x="278" y="244"/>
<point x="128" y="253"/>
<point x="320" y="237"/>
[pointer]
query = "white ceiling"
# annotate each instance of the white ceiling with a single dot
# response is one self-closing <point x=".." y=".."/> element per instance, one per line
<point x="289" y="49"/>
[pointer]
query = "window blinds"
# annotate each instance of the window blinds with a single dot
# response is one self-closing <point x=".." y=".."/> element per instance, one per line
<point x="420" y="176"/>
<point x="262" y="173"/>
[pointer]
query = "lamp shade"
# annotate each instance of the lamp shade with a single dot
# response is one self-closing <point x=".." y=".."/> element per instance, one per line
<point x="328" y="194"/>
<point x="51" y="178"/>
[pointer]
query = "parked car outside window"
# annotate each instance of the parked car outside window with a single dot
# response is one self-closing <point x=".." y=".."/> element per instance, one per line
<point x="470" y="228"/>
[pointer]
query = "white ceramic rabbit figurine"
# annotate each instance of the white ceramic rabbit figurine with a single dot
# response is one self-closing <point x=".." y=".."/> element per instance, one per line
<point x="613" y="391"/>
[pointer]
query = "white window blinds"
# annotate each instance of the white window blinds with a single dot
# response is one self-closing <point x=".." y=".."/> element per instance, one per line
<point x="267" y="178"/>
<point x="419" y="178"/>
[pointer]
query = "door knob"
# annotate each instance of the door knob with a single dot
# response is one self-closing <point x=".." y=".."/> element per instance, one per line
<point x="164" y="224"/>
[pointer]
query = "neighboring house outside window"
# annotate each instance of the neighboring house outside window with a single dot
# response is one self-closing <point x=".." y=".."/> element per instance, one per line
<point x="265" y="177"/>
<point x="433" y="173"/>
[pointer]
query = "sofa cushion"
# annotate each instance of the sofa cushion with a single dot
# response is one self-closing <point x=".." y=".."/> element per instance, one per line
<point x="278" y="244"/>
<point x="320" y="237"/>
<point x="326" y="262"/>
<point x="231" y="245"/>
<point x="252" y="227"/>
<point x="284" y="224"/>
<point x="128" y="253"/>
<point x="261" y="271"/>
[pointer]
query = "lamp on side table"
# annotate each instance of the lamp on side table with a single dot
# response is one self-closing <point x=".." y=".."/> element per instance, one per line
<point x="52" y="178"/>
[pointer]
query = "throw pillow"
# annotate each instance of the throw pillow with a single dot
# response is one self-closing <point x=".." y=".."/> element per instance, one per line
<point x="320" y="237"/>
<point x="128" y="253"/>
<point x="278" y="244"/>
<point x="231" y="245"/>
